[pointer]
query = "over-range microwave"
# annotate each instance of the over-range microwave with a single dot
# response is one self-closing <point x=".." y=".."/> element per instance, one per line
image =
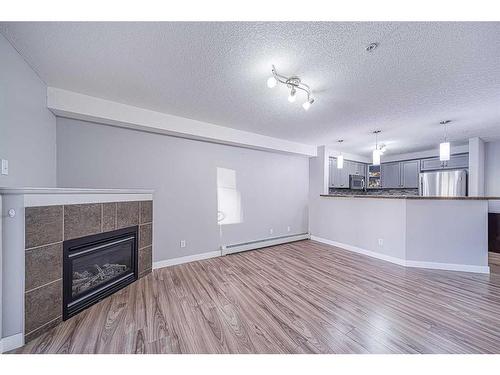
<point x="356" y="182"/>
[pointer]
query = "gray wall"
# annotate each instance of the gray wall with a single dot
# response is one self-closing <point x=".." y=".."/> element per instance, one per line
<point x="492" y="174"/>
<point x="492" y="169"/>
<point x="183" y="173"/>
<point x="27" y="140"/>
<point x="27" y="127"/>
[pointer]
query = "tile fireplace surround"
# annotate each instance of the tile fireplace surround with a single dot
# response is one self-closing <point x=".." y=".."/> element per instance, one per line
<point x="32" y="248"/>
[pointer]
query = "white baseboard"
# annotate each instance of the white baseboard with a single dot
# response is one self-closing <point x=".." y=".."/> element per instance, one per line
<point x="448" y="266"/>
<point x="404" y="262"/>
<point x="186" y="259"/>
<point x="11" y="342"/>
<point x="359" y="250"/>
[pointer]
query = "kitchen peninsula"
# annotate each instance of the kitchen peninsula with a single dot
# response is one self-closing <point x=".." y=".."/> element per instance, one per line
<point x="413" y="231"/>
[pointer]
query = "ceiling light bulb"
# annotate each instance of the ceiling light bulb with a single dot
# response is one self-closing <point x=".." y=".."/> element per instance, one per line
<point x="306" y="106"/>
<point x="444" y="151"/>
<point x="376" y="157"/>
<point x="271" y="82"/>
<point x="292" y="97"/>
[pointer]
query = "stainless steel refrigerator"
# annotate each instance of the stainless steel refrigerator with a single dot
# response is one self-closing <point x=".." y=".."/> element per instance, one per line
<point x="452" y="183"/>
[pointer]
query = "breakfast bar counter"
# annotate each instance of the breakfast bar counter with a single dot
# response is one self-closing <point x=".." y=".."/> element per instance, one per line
<point x="406" y="197"/>
<point x="412" y="231"/>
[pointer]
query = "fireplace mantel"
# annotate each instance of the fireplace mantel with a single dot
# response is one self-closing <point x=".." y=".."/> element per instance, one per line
<point x="57" y="190"/>
<point x="16" y="203"/>
<point x="54" y="196"/>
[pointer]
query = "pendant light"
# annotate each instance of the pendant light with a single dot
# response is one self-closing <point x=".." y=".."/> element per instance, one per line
<point x="444" y="147"/>
<point x="340" y="158"/>
<point x="376" y="151"/>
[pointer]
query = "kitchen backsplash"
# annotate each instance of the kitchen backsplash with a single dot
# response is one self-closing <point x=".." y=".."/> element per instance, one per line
<point x="374" y="192"/>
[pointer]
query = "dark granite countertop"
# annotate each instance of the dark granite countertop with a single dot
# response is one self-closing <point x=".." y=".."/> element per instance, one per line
<point x="406" y="197"/>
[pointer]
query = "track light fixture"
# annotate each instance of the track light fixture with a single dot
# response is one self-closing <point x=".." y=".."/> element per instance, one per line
<point x="293" y="83"/>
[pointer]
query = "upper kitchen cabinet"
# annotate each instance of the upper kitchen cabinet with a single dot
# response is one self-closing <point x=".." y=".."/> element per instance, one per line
<point x="339" y="178"/>
<point x="455" y="162"/>
<point x="400" y="175"/>
<point x="331" y="164"/>
<point x="390" y="175"/>
<point x="409" y="174"/>
<point x="356" y="168"/>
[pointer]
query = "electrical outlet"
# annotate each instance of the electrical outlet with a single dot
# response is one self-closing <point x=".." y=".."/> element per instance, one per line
<point x="183" y="243"/>
<point x="288" y="228"/>
<point x="271" y="231"/>
<point x="5" y="167"/>
<point x="381" y="242"/>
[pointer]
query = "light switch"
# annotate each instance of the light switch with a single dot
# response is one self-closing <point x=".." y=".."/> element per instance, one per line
<point x="5" y="167"/>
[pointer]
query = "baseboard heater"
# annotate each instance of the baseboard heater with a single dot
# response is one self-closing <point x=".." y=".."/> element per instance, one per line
<point x="252" y="245"/>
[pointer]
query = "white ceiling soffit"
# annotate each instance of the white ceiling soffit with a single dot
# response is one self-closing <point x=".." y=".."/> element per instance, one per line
<point x="83" y="107"/>
<point x="216" y="72"/>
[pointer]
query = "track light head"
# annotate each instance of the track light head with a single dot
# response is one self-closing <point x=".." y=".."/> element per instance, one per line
<point x="307" y="104"/>
<point x="271" y="82"/>
<point x="292" y="97"/>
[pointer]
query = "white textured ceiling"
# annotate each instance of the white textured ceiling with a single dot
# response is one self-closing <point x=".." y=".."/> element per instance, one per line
<point x="216" y="72"/>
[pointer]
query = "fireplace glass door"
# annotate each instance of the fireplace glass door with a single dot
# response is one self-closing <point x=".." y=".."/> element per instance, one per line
<point x="96" y="266"/>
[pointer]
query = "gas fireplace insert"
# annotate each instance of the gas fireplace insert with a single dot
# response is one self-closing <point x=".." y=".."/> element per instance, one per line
<point x="97" y="266"/>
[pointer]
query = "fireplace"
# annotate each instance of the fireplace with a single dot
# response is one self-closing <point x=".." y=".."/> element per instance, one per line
<point x="96" y="266"/>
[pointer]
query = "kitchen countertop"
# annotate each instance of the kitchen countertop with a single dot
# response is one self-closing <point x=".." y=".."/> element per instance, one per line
<point x="407" y="197"/>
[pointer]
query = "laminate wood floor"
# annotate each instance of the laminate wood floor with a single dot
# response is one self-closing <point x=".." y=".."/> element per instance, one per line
<point x="494" y="262"/>
<point x="303" y="297"/>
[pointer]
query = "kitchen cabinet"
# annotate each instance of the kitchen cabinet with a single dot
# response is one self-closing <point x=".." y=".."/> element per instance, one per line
<point x="455" y="162"/>
<point x="339" y="178"/>
<point x="393" y="175"/>
<point x="409" y="174"/>
<point x="331" y="165"/>
<point x="458" y="161"/>
<point x="400" y="175"/>
<point x="356" y="168"/>
<point x="390" y="175"/>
